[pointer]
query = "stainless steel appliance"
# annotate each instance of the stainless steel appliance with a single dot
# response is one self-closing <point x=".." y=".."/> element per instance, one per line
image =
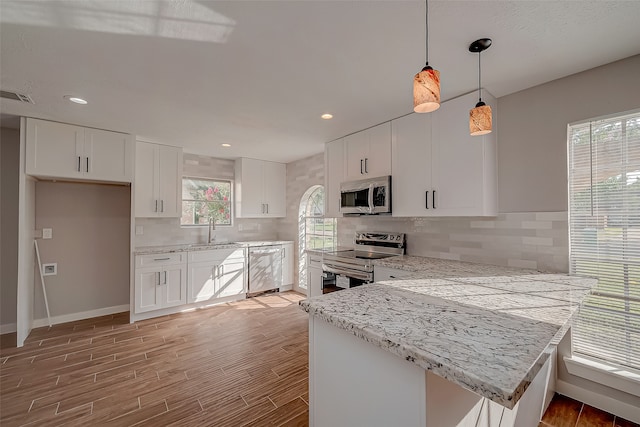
<point x="265" y="268"/>
<point x="354" y="267"/>
<point x="366" y="197"/>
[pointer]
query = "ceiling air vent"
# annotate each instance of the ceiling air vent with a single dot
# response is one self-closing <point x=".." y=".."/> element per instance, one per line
<point x="16" y="96"/>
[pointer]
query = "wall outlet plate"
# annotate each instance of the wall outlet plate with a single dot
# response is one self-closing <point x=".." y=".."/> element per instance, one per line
<point x="50" y="269"/>
<point x="47" y="233"/>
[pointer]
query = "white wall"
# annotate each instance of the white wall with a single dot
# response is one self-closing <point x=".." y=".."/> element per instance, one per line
<point x="532" y="131"/>
<point x="90" y="243"/>
<point x="9" y="174"/>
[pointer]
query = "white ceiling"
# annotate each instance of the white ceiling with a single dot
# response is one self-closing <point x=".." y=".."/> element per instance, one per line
<point x="259" y="74"/>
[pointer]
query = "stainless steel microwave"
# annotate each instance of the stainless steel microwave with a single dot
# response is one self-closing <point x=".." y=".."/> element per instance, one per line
<point x="366" y="197"/>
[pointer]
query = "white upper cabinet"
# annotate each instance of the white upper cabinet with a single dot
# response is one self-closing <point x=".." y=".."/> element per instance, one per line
<point x="411" y="157"/>
<point x="158" y="180"/>
<point x="368" y="153"/>
<point x="441" y="170"/>
<point x="59" y="150"/>
<point x="333" y="176"/>
<point x="260" y="189"/>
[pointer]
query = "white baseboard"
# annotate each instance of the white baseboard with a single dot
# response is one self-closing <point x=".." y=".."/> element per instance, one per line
<point x="64" y="318"/>
<point x="8" y="328"/>
<point x="600" y="401"/>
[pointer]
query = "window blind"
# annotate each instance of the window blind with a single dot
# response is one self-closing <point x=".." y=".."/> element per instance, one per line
<point x="604" y="236"/>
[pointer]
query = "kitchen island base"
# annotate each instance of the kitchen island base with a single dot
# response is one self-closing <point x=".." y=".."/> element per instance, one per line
<point x="354" y="383"/>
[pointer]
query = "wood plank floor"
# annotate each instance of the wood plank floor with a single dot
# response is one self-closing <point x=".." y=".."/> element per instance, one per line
<point x="237" y="364"/>
<point x="243" y="363"/>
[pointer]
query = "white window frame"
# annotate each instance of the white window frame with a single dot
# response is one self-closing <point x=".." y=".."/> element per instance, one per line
<point x="231" y="200"/>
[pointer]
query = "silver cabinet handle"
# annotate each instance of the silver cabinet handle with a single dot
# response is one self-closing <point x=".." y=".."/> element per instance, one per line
<point x="161" y="259"/>
<point x="360" y="166"/>
<point x="158" y="281"/>
<point x="365" y="165"/>
<point x="156" y="206"/>
<point x="433" y="199"/>
<point x="79" y="160"/>
<point x="267" y="207"/>
<point x="165" y="277"/>
<point x="161" y="205"/>
<point x="284" y="253"/>
<point x="87" y="164"/>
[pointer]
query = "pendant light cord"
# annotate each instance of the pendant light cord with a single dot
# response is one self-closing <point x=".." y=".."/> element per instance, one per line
<point x="426" y="19"/>
<point x="479" y="77"/>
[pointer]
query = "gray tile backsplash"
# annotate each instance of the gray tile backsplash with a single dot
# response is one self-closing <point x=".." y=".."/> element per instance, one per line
<point x="531" y="239"/>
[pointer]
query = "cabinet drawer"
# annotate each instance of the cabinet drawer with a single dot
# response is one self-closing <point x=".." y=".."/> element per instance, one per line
<point x="315" y="261"/>
<point x="386" y="273"/>
<point x="216" y="255"/>
<point x="160" y="259"/>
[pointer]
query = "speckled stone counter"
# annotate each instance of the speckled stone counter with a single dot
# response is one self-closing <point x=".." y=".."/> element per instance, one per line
<point x="427" y="268"/>
<point x="487" y="334"/>
<point x="151" y="250"/>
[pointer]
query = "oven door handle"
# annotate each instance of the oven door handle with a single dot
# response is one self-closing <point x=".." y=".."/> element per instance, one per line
<point x="350" y="273"/>
<point x="371" y="187"/>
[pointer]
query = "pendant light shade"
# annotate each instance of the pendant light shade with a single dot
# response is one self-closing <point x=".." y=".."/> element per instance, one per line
<point x="480" y="120"/>
<point x="426" y="84"/>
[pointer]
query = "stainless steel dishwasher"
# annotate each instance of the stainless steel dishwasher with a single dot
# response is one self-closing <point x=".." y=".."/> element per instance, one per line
<point x="265" y="268"/>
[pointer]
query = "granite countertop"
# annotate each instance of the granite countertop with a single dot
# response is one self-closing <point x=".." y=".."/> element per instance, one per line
<point x="151" y="250"/>
<point x="488" y="334"/>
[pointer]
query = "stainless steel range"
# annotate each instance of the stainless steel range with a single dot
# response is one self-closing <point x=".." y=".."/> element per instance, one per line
<point x="355" y="266"/>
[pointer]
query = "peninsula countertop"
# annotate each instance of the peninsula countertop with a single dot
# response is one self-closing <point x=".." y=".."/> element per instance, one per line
<point x="488" y="334"/>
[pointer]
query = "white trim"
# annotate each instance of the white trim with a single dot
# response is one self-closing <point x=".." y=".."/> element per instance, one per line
<point x="37" y="323"/>
<point x="600" y="401"/>
<point x="8" y="328"/>
<point x="136" y="317"/>
<point x="611" y="376"/>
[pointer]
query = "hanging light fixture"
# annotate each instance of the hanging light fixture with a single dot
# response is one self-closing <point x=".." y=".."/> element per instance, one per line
<point x="480" y="116"/>
<point x="426" y="84"/>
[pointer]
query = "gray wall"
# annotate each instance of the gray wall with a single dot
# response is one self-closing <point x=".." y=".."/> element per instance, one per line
<point x="167" y="231"/>
<point x="532" y="131"/>
<point x="90" y="243"/>
<point x="9" y="174"/>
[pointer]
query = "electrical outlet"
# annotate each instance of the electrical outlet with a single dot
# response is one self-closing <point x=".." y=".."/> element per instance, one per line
<point x="47" y="233"/>
<point x="139" y="230"/>
<point x="50" y="269"/>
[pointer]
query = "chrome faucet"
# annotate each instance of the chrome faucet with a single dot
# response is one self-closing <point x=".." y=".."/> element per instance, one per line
<point x="212" y="228"/>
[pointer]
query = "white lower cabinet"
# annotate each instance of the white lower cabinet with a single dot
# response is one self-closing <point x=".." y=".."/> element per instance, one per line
<point x="287" y="264"/>
<point x="160" y="281"/>
<point x="216" y="274"/>
<point x="314" y="275"/>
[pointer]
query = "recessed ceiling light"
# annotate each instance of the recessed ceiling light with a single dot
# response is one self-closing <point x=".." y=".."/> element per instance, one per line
<point x="226" y="145"/>
<point x="327" y="116"/>
<point x="75" y="99"/>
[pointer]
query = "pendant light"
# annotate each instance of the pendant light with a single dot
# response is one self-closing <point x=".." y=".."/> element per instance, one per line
<point x="426" y="84"/>
<point x="480" y="116"/>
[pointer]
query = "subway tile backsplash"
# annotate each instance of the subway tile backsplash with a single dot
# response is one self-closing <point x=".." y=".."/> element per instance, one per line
<point x="537" y="240"/>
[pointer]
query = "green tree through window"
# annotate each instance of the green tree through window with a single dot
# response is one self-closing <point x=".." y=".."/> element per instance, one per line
<point x="202" y="198"/>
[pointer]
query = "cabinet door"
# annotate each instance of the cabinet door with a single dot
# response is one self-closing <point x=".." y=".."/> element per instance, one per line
<point x="146" y="183"/>
<point x="249" y="189"/>
<point x="314" y="277"/>
<point x="174" y="283"/>
<point x="356" y="149"/>
<point x="287" y="264"/>
<point x="377" y="162"/>
<point x="108" y="156"/>
<point x="333" y="177"/>
<point x="169" y="181"/>
<point x="148" y="290"/>
<point x="54" y="149"/>
<point x="232" y="279"/>
<point x="202" y="281"/>
<point x="458" y="160"/>
<point x="411" y="159"/>
<point x="274" y="176"/>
